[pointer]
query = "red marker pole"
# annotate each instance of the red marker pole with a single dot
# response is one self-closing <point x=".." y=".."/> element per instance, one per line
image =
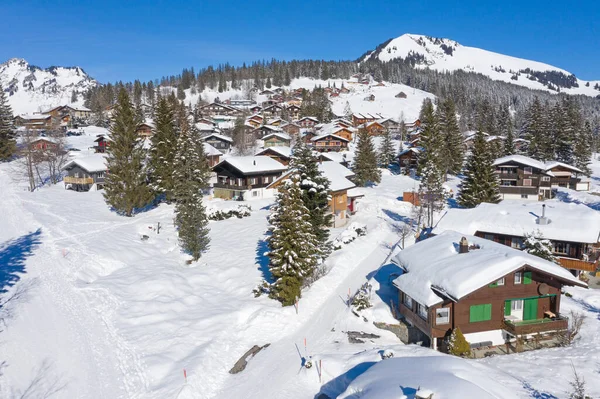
<point x="185" y="375"/>
<point x="320" y="370"/>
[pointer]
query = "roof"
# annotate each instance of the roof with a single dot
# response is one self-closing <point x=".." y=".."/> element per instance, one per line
<point x="436" y="263"/>
<point x="205" y="127"/>
<point x="254" y="164"/>
<point x="521" y="159"/>
<point x="283" y="136"/>
<point x="568" y="221"/>
<point x="211" y="151"/>
<point x="554" y="164"/>
<point x="312" y="118"/>
<point x="284" y="151"/>
<point x="416" y="150"/>
<point x="219" y="136"/>
<point x="91" y="163"/>
<point x="333" y="171"/>
<point x="322" y="136"/>
<point x="33" y="116"/>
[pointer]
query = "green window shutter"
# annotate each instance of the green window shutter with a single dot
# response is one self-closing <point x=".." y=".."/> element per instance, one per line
<point x="493" y="285"/>
<point x="487" y="312"/>
<point x="527" y="278"/>
<point x="507" y="305"/>
<point x="480" y="313"/>
<point x="530" y="308"/>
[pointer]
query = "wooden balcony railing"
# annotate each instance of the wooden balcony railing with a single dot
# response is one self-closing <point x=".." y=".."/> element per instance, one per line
<point x="78" y="180"/>
<point x="560" y="323"/>
<point x="576" y="264"/>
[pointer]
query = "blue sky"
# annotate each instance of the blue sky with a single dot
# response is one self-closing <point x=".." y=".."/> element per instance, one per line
<point x="129" y="39"/>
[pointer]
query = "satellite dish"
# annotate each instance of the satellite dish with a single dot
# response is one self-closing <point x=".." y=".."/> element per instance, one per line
<point x="543" y="289"/>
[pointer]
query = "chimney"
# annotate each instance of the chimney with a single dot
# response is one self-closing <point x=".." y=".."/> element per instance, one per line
<point x="543" y="220"/>
<point x="254" y="162"/>
<point x="463" y="246"/>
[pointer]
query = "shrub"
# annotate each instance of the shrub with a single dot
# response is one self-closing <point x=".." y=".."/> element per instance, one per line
<point x="458" y="345"/>
<point x="240" y="212"/>
<point x="362" y="298"/>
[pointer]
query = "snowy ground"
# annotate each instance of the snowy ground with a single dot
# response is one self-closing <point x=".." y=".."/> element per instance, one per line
<point x="108" y="315"/>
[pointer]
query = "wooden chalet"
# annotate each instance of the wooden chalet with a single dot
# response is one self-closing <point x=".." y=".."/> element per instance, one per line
<point x="374" y="128"/>
<point x="213" y="155"/>
<point x="277" y="139"/>
<point x="245" y="178"/>
<point x="360" y="119"/>
<point x="255" y="120"/>
<point x="339" y="184"/>
<point x="281" y="154"/>
<point x="408" y="159"/>
<point x="293" y="111"/>
<point x="43" y="144"/>
<point x="572" y="229"/>
<point x="401" y="95"/>
<point x="329" y="142"/>
<point x="102" y="143"/>
<point x="145" y="129"/>
<point x="307" y="122"/>
<point x="255" y="109"/>
<point x="493" y="293"/>
<point x="35" y="121"/>
<point x="264" y="130"/>
<point x="83" y="173"/>
<point x="214" y="109"/>
<point x="391" y="125"/>
<point x="219" y="141"/>
<point x="273" y="111"/>
<point x="342" y="131"/>
<point x="291" y="129"/>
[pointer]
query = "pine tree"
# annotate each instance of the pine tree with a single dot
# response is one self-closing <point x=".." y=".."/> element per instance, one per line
<point x="163" y="149"/>
<point x="505" y="126"/>
<point x="387" y="152"/>
<point x="582" y="150"/>
<point x="480" y="183"/>
<point x="429" y="139"/>
<point x="432" y="195"/>
<point x="293" y="247"/>
<point x="191" y="176"/>
<point x="458" y="345"/>
<point x="315" y="193"/>
<point x="125" y="187"/>
<point x="535" y="131"/>
<point x="535" y="244"/>
<point x="365" y="161"/>
<point x="452" y="148"/>
<point x="8" y="144"/>
<point x="562" y="134"/>
<point x="268" y="84"/>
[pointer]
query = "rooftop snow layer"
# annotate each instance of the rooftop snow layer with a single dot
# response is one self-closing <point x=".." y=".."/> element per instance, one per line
<point x="568" y="221"/>
<point x="337" y="175"/>
<point x="436" y="262"/>
<point x="255" y="164"/>
<point x="91" y="163"/>
<point x="283" y="136"/>
<point x="219" y="136"/>
<point x="284" y="151"/>
<point x="211" y="151"/>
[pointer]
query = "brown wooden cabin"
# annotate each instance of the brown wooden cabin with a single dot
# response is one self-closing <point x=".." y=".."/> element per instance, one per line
<point x="144" y="130"/>
<point x="374" y="128"/>
<point x="329" y="142"/>
<point x="361" y="119"/>
<point x="291" y="128"/>
<point x="401" y="95"/>
<point x="277" y="139"/>
<point x="293" y="111"/>
<point x="511" y="295"/>
<point x="408" y="158"/>
<point x="281" y="154"/>
<point x="219" y="141"/>
<point x="102" y="144"/>
<point x="308" y="122"/>
<point x="35" y="122"/>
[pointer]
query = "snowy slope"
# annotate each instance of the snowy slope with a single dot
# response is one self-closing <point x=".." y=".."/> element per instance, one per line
<point x="31" y="89"/>
<point x="449" y="55"/>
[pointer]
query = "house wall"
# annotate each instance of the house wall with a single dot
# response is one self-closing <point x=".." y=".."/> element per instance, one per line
<point x="530" y="197"/>
<point x="339" y="208"/>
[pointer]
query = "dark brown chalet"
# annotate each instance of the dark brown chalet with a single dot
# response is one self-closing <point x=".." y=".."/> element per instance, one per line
<point x="329" y="142"/>
<point x="291" y="128"/>
<point x="219" y="141"/>
<point x="408" y="158"/>
<point x="493" y="293"/>
<point x="308" y="122"/>
<point x="245" y="178"/>
<point x="293" y="111"/>
<point x="213" y="109"/>
<point x="273" y="111"/>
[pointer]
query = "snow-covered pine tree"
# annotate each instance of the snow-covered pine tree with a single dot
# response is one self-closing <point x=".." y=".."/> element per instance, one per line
<point x="163" y="149"/>
<point x="582" y="150"/>
<point x="432" y="195"/>
<point x="505" y="126"/>
<point x="536" y="244"/>
<point x="365" y="161"/>
<point x="429" y="139"/>
<point x="387" y="152"/>
<point x="315" y="193"/>
<point x="480" y="183"/>
<point x="452" y="148"/>
<point x="191" y="176"/>
<point x="562" y="133"/>
<point x="534" y="130"/>
<point x="8" y="145"/>
<point x="268" y="84"/>
<point x="125" y="187"/>
<point x="347" y="111"/>
<point x="293" y="248"/>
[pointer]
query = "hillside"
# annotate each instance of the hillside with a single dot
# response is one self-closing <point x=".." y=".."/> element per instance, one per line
<point x="30" y="89"/>
<point x="449" y="55"/>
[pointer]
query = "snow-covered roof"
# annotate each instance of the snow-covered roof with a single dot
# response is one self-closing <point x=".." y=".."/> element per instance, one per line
<point x="312" y="118"/>
<point x="568" y="221"/>
<point x="554" y="164"/>
<point x="91" y="163"/>
<point x="205" y="127"/>
<point x="254" y="164"/>
<point x="211" y="151"/>
<point x="337" y="175"/>
<point x="342" y="156"/>
<point x="79" y="108"/>
<point x="416" y="150"/>
<point x="33" y="116"/>
<point x="284" y="151"/>
<point x="436" y="263"/>
<point x="520" y="159"/>
<point x="283" y="136"/>
<point x="219" y="136"/>
<point x="322" y="136"/>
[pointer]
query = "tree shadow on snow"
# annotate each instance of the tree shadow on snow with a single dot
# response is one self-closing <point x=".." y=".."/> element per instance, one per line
<point x="339" y="384"/>
<point x="564" y="196"/>
<point x="534" y="393"/>
<point x="385" y="276"/>
<point x="13" y="255"/>
<point x="262" y="260"/>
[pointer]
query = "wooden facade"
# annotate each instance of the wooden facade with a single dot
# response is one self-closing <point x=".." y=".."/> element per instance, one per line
<point x="233" y="183"/>
<point x="308" y="122"/>
<point x="520" y="181"/>
<point x="79" y="179"/>
<point x="279" y="156"/>
<point x="276" y="140"/>
<point x="101" y="144"/>
<point x="144" y="130"/>
<point x="213" y="109"/>
<point x="221" y="143"/>
<point x="329" y="142"/>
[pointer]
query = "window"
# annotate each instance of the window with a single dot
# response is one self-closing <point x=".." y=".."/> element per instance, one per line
<point x="527" y="278"/>
<point x="266" y="179"/>
<point x="480" y="313"/>
<point x="524" y="196"/>
<point x="254" y="193"/>
<point x="100" y="174"/>
<point x="516" y="305"/>
<point x="442" y="316"/>
<point x="528" y="170"/>
<point x="516" y="242"/>
<point x="497" y="283"/>
<point x="545" y="178"/>
<point x="527" y="182"/>
<point x="489" y="237"/>
<point x="408" y="301"/>
<point x="253" y="180"/>
<point x="518" y="278"/>
<point x="560" y="247"/>
<point x="422" y="310"/>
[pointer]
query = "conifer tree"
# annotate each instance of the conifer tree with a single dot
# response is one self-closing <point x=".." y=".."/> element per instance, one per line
<point x="293" y="247"/>
<point x="562" y="133"/>
<point x="315" y="194"/>
<point x="387" y="152"/>
<point x="534" y="131"/>
<point x="163" y="149"/>
<point x="268" y="84"/>
<point x="125" y="187"/>
<point x="432" y="195"/>
<point x="536" y="244"/>
<point x="191" y="176"/>
<point x="452" y="148"/>
<point x="365" y="161"/>
<point x="429" y="139"/>
<point x="506" y="130"/>
<point x="582" y="150"/>
<point x="8" y="144"/>
<point x="480" y="183"/>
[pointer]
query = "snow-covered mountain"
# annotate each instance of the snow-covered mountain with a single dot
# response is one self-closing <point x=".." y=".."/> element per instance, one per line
<point x="31" y="89"/>
<point x="449" y="55"/>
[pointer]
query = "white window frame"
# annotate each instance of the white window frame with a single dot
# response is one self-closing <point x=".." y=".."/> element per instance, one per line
<point x="407" y="301"/>
<point x="500" y="282"/>
<point x="545" y="178"/>
<point x="518" y="278"/>
<point x="516" y="304"/>
<point x="252" y="180"/>
<point x="528" y="170"/>
<point x="440" y="318"/>
<point x="422" y="311"/>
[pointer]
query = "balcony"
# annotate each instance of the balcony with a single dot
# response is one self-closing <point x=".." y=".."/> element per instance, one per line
<point x="576" y="264"/>
<point x="508" y="176"/>
<point x="524" y="327"/>
<point x="78" y="180"/>
<point x="519" y="190"/>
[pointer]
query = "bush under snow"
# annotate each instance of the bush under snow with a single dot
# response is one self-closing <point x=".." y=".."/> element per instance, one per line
<point x="353" y="231"/>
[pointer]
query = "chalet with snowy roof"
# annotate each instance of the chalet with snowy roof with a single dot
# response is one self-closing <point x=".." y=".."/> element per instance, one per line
<point x="242" y="103"/>
<point x="205" y="129"/>
<point x="207" y="121"/>
<point x="374" y="128"/>
<point x="273" y="111"/>
<point x="276" y="122"/>
<point x="291" y="129"/>
<point x="255" y="120"/>
<point x="73" y="111"/>
<point x="408" y="158"/>
<point x="267" y="92"/>
<point x="268" y="103"/>
<point x="145" y="129"/>
<point x="277" y="139"/>
<point x="341" y="122"/>
<point x="329" y="142"/>
<point x="255" y="109"/>
<point x="101" y="143"/>
<point x="214" y="109"/>
<point x="264" y="130"/>
<point x="359" y="119"/>
<point x="308" y="122"/>
<point x="282" y="154"/>
<point x="34" y="121"/>
<point x="339" y="184"/>
<point x="219" y="141"/>
<point x="401" y="95"/>
<point x="391" y="125"/>
<point x="522" y="177"/>
<point x="492" y="292"/>
<point x="247" y="177"/>
<point x="85" y="173"/>
<point x="293" y="111"/>
<point x="213" y="155"/>
<point x="572" y="229"/>
<point x="43" y="143"/>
